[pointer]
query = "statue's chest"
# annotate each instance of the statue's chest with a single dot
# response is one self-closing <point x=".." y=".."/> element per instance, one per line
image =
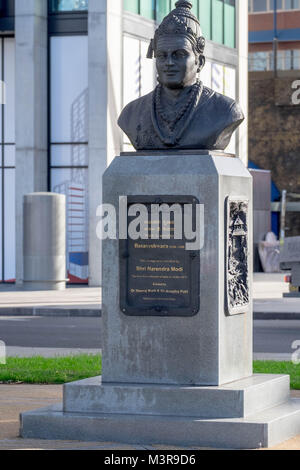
<point x="146" y="137"/>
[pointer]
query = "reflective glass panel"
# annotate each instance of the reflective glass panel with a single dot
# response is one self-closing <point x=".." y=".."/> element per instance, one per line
<point x="279" y="4"/>
<point x="296" y="4"/>
<point x="9" y="79"/>
<point x="147" y="70"/>
<point x="229" y="23"/>
<point x="69" y="89"/>
<point x="131" y="63"/>
<point x="132" y="6"/>
<point x="9" y="226"/>
<point x="69" y="5"/>
<point x="296" y="59"/>
<point x="205" y="74"/>
<point x="163" y="7"/>
<point x="147" y="9"/>
<point x="9" y="155"/>
<point x="3" y="90"/>
<point x="218" y="78"/>
<point x="230" y="82"/>
<point x="1" y="218"/>
<point x="69" y="155"/>
<point x="205" y="17"/>
<point x="74" y="184"/>
<point x="217" y="21"/>
<point x="259" y="5"/>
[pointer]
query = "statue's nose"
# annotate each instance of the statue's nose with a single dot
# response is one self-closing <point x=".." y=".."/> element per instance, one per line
<point x="170" y="60"/>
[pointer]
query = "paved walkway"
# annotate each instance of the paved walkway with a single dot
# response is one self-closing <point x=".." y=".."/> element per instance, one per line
<point x="15" y="399"/>
<point x="74" y="301"/>
<point x="86" y="301"/>
<point x="269" y="286"/>
<point x="16" y="351"/>
<point x="277" y="309"/>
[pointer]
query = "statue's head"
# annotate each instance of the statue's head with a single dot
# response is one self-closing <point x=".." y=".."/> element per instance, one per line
<point x="178" y="47"/>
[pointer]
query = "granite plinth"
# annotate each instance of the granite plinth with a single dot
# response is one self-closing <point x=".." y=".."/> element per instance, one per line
<point x="210" y="348"/>
<point x="234" y="400"/>
<point x="268" y="415"/>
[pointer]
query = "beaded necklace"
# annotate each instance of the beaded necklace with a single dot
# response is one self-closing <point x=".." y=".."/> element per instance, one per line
<point x="170" y="129"/>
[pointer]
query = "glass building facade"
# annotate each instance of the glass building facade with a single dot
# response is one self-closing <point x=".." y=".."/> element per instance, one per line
<point x="217" y="17"/>
<point x="69" y="143"/>
<point x="67" y="103"/>
<point x="259" y="6"/>
<point x="263" y="61"/>
<point x="7" y="160"/>
<point x="68" y="5"/>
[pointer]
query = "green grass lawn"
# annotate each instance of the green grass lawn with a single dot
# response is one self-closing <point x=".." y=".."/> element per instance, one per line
<point x="39" y="370"/>
<point x="274" y="367"/>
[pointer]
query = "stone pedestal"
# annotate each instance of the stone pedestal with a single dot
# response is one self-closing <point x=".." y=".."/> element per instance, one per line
<point x="174" y="375"/>
<point x="211" y="347"/>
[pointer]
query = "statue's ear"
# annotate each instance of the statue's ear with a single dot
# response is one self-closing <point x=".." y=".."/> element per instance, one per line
<point x="150" y="52"/>
<point x="201" y="63"/>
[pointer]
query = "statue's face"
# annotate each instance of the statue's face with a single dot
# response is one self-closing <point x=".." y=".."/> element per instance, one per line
<point x="176" y="62"/>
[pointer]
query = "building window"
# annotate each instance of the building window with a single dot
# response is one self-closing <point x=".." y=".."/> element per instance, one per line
<point x="296" y="59"/>
<point x="229" y="23"/>
<point x="272" y="4"/>
<point x="259" y="5"/>
<point x="147" y="9"/>
<point x="69" y="143"/>
<point x="217" y="21"/>
<point x="268" y="5"/>
<point x="138" y="72"/>
<point x="263" y="61"/>
<point x="7" y="160"/>
<point x="292" y="4"/>
<point x="163" y="7"/>
<point x="68" y="5"/>
<point x="217" y="17"/>
<point x="204" y="12"/>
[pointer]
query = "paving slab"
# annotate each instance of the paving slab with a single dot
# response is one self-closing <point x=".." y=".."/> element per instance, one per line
<point x="74" y="301"/>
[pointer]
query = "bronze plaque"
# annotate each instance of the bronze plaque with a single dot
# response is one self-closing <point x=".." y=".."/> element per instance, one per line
<point x="159" y="276"/>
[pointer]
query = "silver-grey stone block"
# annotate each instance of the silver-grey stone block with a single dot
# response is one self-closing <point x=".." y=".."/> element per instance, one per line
<point x="210" y="348"/>
<point x="234" y="400"/>
<point x="260" y="430"/>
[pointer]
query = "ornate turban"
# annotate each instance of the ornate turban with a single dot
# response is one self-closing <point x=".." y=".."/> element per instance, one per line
<point x="181" y="21"/>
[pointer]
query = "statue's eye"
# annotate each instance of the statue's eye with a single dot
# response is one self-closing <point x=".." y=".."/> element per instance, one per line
<point x="180" y="54"/>
<point x="161" y="55"/>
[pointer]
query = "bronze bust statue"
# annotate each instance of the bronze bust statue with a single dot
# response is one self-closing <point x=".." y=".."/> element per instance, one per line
<point x="180" y="113"/>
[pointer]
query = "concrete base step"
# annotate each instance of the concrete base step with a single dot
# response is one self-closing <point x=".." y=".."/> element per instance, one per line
<point x="234" y="400"/>
<point x="253" y="412"/>
<point x="264" y="429"/>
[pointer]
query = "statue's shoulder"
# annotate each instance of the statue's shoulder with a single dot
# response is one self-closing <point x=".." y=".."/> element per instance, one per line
<point x="227" y="109"/>
<point x="133" y="111"/>
<point x="225" y="116"/>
